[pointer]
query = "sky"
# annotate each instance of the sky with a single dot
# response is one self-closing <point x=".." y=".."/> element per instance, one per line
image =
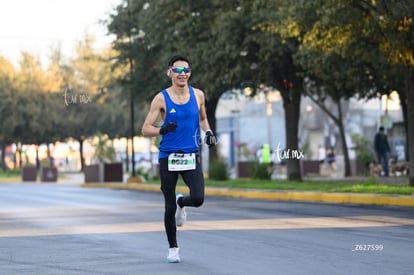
<point x="36" y="26"/>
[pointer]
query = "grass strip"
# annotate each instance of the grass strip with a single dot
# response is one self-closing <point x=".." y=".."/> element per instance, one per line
<point x="330" y="186"/>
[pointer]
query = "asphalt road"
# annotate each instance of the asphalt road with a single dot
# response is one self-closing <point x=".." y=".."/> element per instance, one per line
<point x="66" y="229"/>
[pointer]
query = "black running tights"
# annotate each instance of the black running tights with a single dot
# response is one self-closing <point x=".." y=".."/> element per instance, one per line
<point x="194" y="180"/>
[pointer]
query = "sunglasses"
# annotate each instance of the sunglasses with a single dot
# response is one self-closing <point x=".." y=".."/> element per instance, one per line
<point x="179" y="70"/>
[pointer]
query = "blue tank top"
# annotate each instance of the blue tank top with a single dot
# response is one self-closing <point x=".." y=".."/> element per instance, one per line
<point x="186" y="137"/>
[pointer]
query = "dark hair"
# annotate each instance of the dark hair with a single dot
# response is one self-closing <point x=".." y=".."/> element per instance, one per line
<point x="176" y="58"/>
<point x="381" y="128"/>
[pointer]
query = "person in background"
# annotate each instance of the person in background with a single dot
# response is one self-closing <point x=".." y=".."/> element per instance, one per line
<point x="382" y="149"/>
<point x="321" y="157"/>
<point x="331" y="158"/>
<point x="266" y="154"/>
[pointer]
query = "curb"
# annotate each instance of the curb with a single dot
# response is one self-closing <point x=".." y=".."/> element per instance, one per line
<point x="344" y="198"/>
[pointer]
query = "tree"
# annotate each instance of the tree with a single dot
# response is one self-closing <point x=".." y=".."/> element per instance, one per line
<point x="31" y="102"/>
<point x="72" y="98"/>
<point x="272" y="58"/>
<point x="91" y="100"/>
<point x="376" y="36"/>
<point x="7" y="105"/>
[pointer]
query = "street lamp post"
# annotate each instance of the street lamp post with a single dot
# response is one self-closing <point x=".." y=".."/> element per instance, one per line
<point x="132" y="98"/>
<point x="132" y="127"/>
<point x="268" y="117"/>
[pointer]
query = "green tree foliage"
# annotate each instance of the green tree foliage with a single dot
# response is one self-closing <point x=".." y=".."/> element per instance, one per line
<point x="7" y="105"/>
<point x="7" y="90"/>
<point x="357" y="48"/>
<point x="224" y="41"/>
<point x="72" y="98"/>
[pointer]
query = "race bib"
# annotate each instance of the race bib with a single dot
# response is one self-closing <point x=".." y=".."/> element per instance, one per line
<point x="181" y="162"/>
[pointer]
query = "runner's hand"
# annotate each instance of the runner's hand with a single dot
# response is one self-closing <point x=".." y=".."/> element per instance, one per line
<point x="210" y="139"/>
<point x="170" y="127"/>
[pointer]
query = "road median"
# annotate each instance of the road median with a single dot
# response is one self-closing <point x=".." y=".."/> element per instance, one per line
<point x="286" y="195"/>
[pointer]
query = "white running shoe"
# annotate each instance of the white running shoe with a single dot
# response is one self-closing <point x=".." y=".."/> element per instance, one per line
<point x="173" y="255"/>
<point x="180" y="214"/>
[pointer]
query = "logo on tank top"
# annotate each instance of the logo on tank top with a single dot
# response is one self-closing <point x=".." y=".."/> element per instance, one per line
<point x="172" y="111"/>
